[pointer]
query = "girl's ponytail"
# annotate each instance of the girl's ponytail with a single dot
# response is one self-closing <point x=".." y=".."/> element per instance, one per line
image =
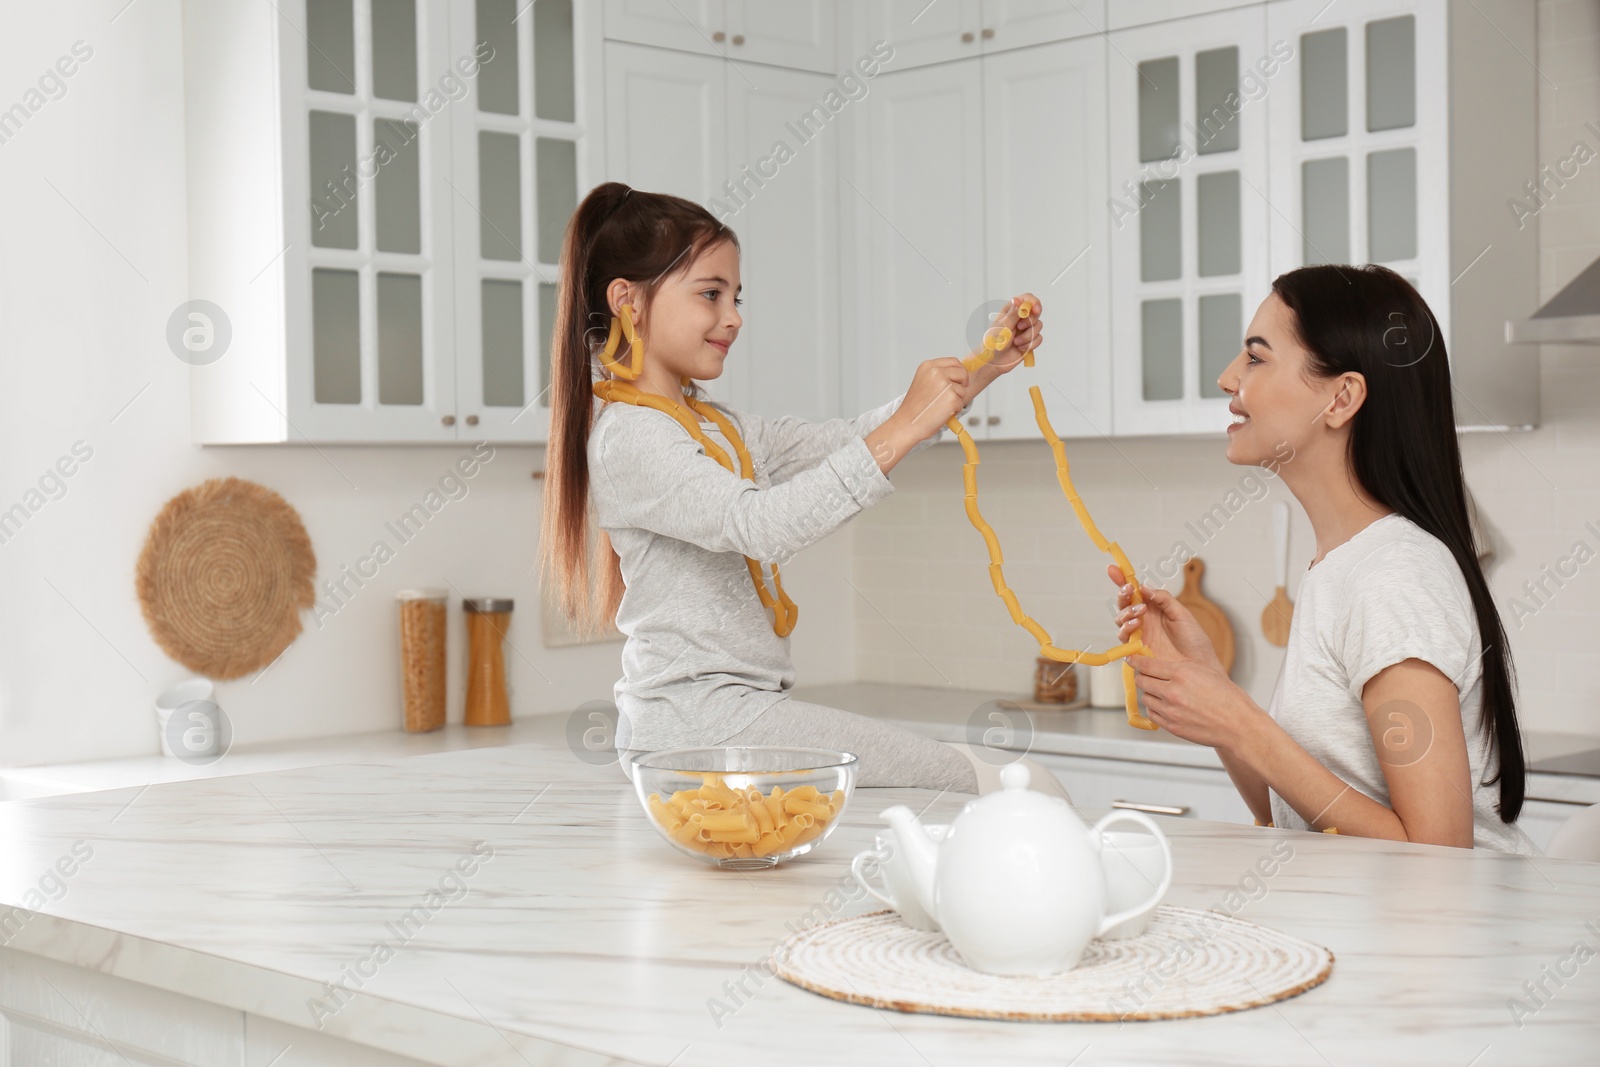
<point x="616" y="232"/>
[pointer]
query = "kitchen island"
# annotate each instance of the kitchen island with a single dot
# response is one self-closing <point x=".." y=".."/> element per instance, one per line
<point x="510" y="905"/>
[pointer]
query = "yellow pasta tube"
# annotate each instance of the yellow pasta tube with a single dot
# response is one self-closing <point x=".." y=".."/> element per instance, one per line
<point x="1130" y="694"/>
<point x="816" y="809"/>
<point x="721" y="821"/>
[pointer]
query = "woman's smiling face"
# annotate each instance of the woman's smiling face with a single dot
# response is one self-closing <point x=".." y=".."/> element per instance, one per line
<point x="1274" y="399"/>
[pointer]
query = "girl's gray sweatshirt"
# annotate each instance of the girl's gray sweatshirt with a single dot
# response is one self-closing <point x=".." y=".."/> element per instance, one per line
<point x="701" y="660"/>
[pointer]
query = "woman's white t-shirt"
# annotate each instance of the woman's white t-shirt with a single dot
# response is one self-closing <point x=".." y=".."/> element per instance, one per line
<point x="1392" y="592"/>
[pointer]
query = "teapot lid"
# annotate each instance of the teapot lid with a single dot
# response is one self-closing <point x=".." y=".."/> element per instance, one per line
<point x="1015" y="798"/>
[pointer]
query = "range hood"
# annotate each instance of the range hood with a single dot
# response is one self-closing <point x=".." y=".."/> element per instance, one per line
<point x="1571" y="317"/>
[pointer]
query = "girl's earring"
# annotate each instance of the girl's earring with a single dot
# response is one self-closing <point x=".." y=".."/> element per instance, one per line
<point x="620" y="328"/>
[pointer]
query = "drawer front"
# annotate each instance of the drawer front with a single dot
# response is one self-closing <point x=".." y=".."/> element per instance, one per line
<point x="1198" y="792"/>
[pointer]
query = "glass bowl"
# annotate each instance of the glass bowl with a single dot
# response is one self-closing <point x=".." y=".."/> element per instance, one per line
<point x="744" y="809"/>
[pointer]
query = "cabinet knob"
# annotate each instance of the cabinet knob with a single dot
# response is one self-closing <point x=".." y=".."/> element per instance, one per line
<point x="987" y="33"/>
<point x="472" y="420"/>
<point x="994" y="420"/>
<point x="973" y="420"/>
<point x="719" y="36"/>
<point x="738" y="38"/>
<point x="966" y="38"/>
<point x="449" y="420"/>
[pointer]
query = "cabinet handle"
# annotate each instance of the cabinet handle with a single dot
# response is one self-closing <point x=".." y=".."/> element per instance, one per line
<point x="472" y="420"/>
<point x="1151" y="809"/>
<point x="718" y="36"/>
<point x="994" y="420"/>
<point x="973" y="420"/>
<point x="449" y="420"/>
<point x="738" y="38"/>
<point x="987" y="33"/>
<point x="966" y="38"/>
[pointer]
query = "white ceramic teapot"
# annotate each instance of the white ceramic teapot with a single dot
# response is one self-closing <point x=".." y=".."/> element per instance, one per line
<point x="1017" y="884"/>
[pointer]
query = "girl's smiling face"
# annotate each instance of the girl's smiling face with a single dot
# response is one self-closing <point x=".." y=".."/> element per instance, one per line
<point x="1274" y="399"/>
<point x="693" y="319"/>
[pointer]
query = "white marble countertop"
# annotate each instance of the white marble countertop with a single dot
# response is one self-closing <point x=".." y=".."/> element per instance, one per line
<point x="938" y="711"/>
<point x="948" y="714"/>
<point x="583" y="938"/>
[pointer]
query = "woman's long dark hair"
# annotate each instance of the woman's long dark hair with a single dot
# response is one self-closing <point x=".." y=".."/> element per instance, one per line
<point x="616" y="232"/>
<point x="1403" y="447"/>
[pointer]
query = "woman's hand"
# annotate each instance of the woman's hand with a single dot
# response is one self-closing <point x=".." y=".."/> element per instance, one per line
<point x="1195" y="700"/>
<point x="1186" y="692"/>
<point x="1168" y="628"/>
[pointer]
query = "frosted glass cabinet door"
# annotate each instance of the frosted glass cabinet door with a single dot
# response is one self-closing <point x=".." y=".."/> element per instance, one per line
<point x="518" y="156"/>
<point x="1360" y="170"/>
<point x="1188" y="212"/>
<point x="368" y="256"/>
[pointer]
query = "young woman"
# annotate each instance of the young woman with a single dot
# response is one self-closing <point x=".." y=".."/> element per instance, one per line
<point x="705" y="662"/>
<point x="1394" y="714"/>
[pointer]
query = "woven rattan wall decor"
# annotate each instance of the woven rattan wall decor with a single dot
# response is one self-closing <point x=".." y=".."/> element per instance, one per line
<point x="225" y="572"/>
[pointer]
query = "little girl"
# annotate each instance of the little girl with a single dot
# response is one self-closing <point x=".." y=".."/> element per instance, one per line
<point x="681" y="536"/>
<point x="1394" y="714"/>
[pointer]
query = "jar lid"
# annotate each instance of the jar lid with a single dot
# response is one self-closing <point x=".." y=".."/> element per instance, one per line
<point x="486" y="604"/>
<point x="422" y="594"/>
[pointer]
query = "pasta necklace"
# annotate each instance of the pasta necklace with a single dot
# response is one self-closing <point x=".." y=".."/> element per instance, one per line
<point x="993" y="341"/>
<point x="784" y="612"/>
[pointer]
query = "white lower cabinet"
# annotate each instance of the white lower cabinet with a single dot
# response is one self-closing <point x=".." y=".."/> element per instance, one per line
<point x="1195" y="792"/>
<point x="1206" y="793"/>
<point x="53" y="1013"/>
<point x="1541" y="819"/>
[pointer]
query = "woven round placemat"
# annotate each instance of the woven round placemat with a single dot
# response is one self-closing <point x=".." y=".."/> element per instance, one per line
<point x="1188" y="963"/>
<point x="225" y="572"/>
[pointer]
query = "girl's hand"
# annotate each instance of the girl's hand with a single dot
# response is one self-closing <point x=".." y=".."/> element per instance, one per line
<point x="939" y="390"/>
<point x="1026" y="334"/>
<point x="1195" y="700"/>
<point x="1168" y="628"/>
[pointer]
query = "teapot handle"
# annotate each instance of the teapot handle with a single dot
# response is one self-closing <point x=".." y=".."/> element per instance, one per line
<point x="1166" y="878"/>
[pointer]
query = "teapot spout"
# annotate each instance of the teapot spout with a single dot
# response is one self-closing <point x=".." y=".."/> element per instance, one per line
<point x="918" y="851"/>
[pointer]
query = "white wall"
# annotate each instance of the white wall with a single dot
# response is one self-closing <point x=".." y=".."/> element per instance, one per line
<point x="92" y="261"/>
<point x="923" y="567"/>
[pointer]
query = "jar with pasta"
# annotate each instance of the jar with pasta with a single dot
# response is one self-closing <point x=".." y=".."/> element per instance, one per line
<point x="488" y="702"/>
<point x="422" y="657"/>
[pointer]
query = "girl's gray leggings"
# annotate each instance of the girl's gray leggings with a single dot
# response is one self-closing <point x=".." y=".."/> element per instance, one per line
<point x="889" y="755"/>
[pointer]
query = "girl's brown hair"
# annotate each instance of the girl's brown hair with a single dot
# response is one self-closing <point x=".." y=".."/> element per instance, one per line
<point x="617" y="232"/>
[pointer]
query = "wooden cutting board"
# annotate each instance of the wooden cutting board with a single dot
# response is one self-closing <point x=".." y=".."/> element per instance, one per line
<point x="1207" y="614"/>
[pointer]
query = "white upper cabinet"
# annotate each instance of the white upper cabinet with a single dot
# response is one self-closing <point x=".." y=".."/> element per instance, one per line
<point x="783" y="165"/>
<point x="915" y="207"/>
<point x="1125" y="14"/>
<point x="1189" y="212"/>
<point x="923" y="32"/>
<point x="794" y="33"/>
<point x="710" y="131"/>
<point x="1009" y="197"/>
<point x="1045" y="230"/>
<point x="1355" y="142"/>
<point x="518" y="145"/>
<point x="1397" y="139"/>
<point x="377" y="192"/>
